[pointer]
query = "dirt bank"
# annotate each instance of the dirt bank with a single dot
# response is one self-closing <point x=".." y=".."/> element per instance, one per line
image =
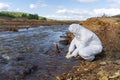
<point x="13" y="24"/>
<point x="107" y="64"/>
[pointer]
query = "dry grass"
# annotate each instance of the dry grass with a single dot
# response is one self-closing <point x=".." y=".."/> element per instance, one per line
<point x="26" y="22"/>
<point x="13" y="24"/>
<point x="9" y="28"/>
<point x="14" y="29"/>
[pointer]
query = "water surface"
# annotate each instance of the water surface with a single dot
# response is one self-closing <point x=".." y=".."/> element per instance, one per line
<point x="29" y="54"/>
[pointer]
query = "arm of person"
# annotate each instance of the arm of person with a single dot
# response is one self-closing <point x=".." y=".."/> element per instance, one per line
<point x="85" y="39"/>
<point x="71" y="48"/>
<point x="73" y="54"/>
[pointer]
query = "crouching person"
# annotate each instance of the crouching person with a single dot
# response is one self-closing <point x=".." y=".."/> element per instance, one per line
<point x="85" y="43"/>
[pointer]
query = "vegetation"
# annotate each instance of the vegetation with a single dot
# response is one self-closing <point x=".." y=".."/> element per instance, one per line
<point x="118" y="16"/>
<point x="21" y="15"/>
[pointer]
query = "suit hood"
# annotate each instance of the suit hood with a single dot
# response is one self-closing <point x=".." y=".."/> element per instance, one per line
<point x="75" y="28"/>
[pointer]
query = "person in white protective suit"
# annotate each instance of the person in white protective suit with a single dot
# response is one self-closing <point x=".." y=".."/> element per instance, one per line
<point x="85" y="43"/>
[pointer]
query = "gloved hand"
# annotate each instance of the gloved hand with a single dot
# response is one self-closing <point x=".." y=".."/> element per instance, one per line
<point x="68" y="53"/>
<point x="68" y="56"/>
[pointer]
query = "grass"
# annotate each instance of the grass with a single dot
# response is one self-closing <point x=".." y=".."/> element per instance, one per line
<point x="12" y="14"/>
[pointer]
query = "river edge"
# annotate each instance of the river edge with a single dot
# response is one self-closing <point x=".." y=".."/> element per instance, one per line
<point x="31" y="54"/>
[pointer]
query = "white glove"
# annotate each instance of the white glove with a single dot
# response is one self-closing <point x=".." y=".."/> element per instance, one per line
<point x="68" y="53"/>
<point x="68" y="56"/>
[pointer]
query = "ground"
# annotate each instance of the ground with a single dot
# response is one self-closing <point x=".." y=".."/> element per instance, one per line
<point x="107" y="64"/>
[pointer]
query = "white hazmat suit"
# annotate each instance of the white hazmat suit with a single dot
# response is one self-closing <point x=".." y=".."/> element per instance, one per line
<point x="85" y="43"/>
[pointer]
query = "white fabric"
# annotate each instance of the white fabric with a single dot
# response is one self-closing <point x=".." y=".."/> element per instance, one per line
<point x="86" y="43"/>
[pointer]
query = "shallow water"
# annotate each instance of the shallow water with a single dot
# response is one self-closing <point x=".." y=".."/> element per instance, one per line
<point x="30" y="54"/>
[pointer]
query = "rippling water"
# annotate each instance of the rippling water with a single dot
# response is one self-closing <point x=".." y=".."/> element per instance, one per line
<point x="36" y="47"/>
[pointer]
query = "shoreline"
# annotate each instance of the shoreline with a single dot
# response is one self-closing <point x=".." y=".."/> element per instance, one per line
<point x="15" y="24"/>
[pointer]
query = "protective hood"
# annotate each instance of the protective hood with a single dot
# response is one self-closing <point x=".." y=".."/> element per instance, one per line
<point x="75" y="28"/>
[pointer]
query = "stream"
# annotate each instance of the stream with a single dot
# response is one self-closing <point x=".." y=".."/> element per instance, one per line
<point x="30" y="54"/>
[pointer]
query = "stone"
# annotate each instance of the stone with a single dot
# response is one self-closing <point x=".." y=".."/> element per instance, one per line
<point x="117" y="74"/>
<point x="103" y="63"/>
<point x="104" y="78"/>
<point x="57" y="78"/>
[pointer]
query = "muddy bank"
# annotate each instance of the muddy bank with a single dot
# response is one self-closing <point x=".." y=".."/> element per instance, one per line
<point x="13" y="24"/>
<point x="31" y="54"/>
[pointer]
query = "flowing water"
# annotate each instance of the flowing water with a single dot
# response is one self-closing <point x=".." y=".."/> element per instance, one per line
<point x="30" y="54"/>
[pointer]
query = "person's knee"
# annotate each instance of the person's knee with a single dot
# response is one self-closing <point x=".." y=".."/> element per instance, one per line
<point x="83" y="53"/>
<point x="100" y="48"/>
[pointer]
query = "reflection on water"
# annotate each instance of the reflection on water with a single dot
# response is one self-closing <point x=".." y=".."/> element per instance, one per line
<point x="30" y="28"/>
<point x="37" y="49"/>
<point x="51" y="30"/>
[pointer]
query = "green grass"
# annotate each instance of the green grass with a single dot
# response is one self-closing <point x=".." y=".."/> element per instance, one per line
<point x="21" y="15"/>
<point x="118" y="16"/>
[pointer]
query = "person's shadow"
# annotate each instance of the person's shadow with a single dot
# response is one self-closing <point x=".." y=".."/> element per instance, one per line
<point x="100" y="56"/>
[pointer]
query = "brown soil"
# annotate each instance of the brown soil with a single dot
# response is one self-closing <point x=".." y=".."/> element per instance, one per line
<point x="13" y="24"/>
<point x="107" y="64"/>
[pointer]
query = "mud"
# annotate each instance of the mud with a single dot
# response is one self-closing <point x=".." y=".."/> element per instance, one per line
<point x="30" y="54"/>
